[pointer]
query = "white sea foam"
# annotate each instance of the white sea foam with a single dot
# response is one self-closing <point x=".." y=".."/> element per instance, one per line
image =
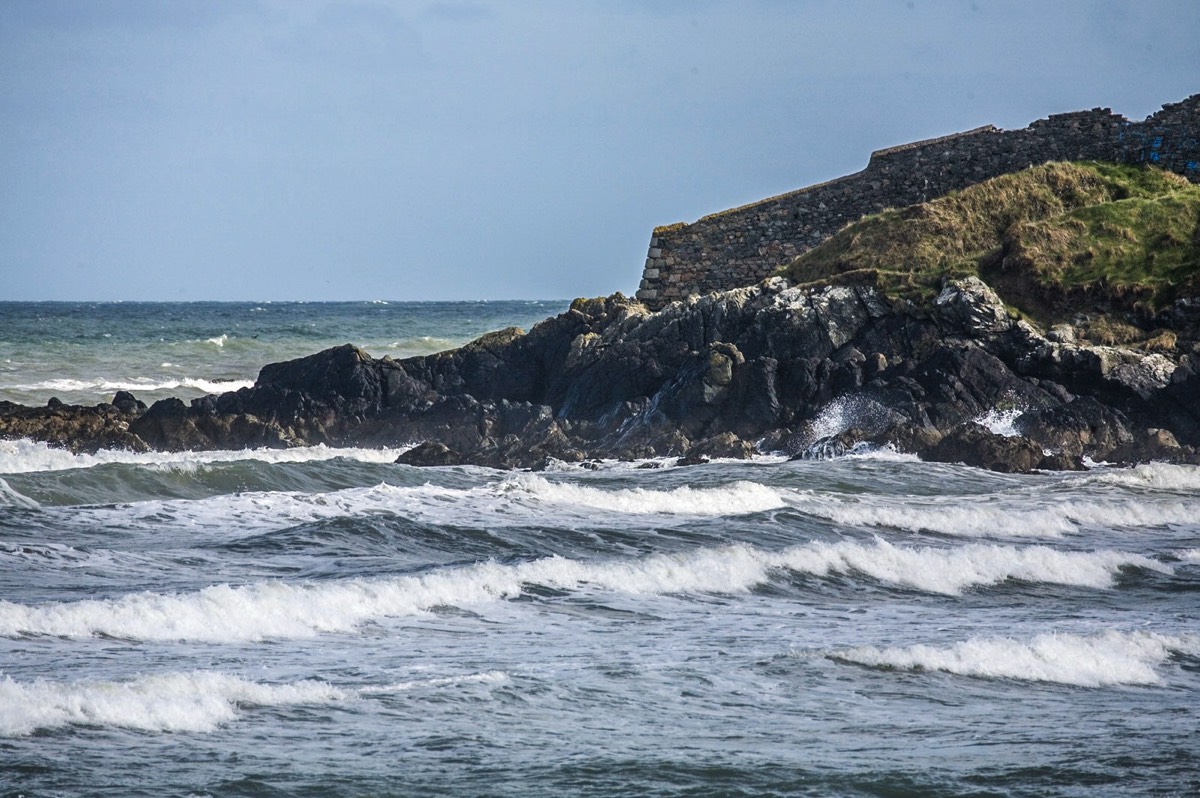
<point x="737" y="498"/>
<point x="986" y="516"/>
<point x="1001" y="422"/>
<point x="1109" y="658"/>
<point x="952" y="570"/>
<point x="488" y="677"/>
<point x="25" y="456"/>
<point x="1151" y="476"/>
<point x="1189" y="555"/>
<point x="279" y="610"/>
<point x="514" y="500"/>
<point x="199" y="701"/>
<point x="218" y="341"/>
<point x="133" y="384"/>
<point x="423" y="343"/>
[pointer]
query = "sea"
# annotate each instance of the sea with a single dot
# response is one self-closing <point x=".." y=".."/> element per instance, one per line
<point x="325" y="622"/>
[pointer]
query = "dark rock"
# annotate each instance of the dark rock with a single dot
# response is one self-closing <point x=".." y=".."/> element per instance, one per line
<point x="691" y="460"/>
<point x="74" y="427"/>
<point x="913" y="439"/>
<point x="1061" y="461"/>
<point x="697" y="380"/>
<point x="430" y="454"/>
<point x="1082" y="427"/>
<point x="127" y="402"/>
<point x="1151" y="444"/>
<point x="974" y="445"/>
<point x="724" y="445"/>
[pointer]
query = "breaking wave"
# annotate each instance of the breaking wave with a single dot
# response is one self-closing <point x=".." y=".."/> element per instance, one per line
<point x="737" y="498"/>
<point x="1097" y="660"/>
<point x="25" y="456"/>
<point x="981" y="517"/>
<point x="134" y="384"/>
<point x="9" y="497"/>
<point x="199" y="701"/>
<point x="1151" y="476"/>
<point x="279" y="610"/>
<point x="514" y="500"/>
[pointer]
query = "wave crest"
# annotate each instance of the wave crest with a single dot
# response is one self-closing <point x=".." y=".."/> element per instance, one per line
<point x="279" y="610"/>
<point x="1110" y="658"/>
<point x="199" y="701"/>
<point x="26" y="456"/>
<point x="981" y="517"/>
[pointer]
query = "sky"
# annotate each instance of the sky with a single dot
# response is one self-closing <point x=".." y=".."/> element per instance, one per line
<point x="309" y="150"/>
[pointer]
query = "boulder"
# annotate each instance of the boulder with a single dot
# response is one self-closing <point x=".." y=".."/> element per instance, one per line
<point x="975" y="445"/>
<point x="430" y="453"/>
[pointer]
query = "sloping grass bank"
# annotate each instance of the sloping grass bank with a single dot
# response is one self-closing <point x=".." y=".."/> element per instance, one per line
<point x="1055" y="241"/>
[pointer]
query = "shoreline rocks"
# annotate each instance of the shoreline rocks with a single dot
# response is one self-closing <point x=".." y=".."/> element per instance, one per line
<point x="761" y="368"/>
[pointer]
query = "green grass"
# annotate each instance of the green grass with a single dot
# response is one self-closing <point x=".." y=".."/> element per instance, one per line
<point x="1142" y="246"/>
<point x="1044" y="238"/>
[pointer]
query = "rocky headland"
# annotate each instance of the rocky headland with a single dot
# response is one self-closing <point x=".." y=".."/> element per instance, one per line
<point x="1065" y="296"/>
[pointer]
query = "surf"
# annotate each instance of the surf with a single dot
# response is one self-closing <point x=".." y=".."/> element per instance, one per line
<point x="284" y="610"/>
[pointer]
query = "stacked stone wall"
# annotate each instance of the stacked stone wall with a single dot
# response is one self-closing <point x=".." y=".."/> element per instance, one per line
<point x="743" y="245"/>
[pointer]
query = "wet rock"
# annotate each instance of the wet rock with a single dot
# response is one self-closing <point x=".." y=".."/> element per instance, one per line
<point x="725" y="445"/>
<point x="1061" y="461"/>
<point x="975" y="445"/>
<point x="75" y="427"/>
<point x="699" y="379"/>
<point x="127" y="402"/>
<point x="430" y="454"/>
<point x="1082" y="427"/>
<point x="1148" y="445"/>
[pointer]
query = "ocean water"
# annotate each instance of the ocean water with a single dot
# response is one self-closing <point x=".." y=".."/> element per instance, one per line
<point x="323" y="622"/>
<point x="83" y="352"/>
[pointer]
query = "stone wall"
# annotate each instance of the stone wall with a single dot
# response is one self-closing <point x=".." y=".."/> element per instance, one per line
<point x="743" y="245"/>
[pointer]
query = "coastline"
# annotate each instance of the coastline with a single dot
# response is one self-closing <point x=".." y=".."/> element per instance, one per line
<point x="727" y="375"/>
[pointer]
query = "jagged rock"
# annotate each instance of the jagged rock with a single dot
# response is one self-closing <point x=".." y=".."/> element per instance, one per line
<point x="74" y="427"/>
<point x="1083" y="427"/>
<point x="973" y="306"/>
<point x="430" y="454"/>
<point x="974" y="445"/>
<point x="698" y="379"/>
<point x="127" y="402"/>
<point x="1152" y="444"/>
<point x="725" y="445"/>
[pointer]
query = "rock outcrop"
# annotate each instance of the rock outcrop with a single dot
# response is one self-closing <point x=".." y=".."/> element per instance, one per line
<point x="759" y="368"/>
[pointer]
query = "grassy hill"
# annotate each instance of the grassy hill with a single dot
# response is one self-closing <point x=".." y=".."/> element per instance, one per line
<point x="1055" y="241"/>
